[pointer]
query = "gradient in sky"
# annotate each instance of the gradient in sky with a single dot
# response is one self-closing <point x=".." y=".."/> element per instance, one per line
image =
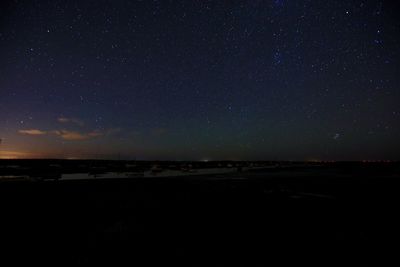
<point x="176" y="80"/>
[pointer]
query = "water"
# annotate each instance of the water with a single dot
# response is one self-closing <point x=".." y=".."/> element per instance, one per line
<point x="147" y="174"/>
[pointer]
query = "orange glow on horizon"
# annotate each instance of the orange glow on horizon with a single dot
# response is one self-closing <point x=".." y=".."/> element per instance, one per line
<point x="15" y="155"/>
<point x="9" y="154"/>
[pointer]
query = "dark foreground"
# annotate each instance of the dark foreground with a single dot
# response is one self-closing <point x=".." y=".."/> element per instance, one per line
<point x="320" y="216"/>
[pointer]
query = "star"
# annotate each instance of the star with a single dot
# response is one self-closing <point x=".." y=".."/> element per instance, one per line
<point x="336" y="136"/>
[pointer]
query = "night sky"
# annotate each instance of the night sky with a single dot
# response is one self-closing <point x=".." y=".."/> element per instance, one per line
<point x="200" y="80"/>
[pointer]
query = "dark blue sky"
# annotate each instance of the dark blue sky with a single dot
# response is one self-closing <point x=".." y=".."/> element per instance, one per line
<point x="268" y="80"/>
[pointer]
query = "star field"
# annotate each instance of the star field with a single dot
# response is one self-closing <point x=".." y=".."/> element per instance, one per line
<point x="247" y="80"/>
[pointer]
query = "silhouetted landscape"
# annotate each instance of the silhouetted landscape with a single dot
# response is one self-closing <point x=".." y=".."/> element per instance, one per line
<point x="257" y="214"/>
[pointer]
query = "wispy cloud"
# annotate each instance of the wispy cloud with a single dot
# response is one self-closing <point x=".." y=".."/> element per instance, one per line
<point x="95" y="134"/>
<point x="72" y="135"/>
<point x="79" y="136"/>
<point x="32" y="132"/>
<point x="71" y="120"/>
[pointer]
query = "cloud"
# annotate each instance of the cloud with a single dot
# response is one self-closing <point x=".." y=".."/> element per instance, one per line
<point x="32" y="132"/>
<point x="80" y="136"/>
<point x="95" y="133"/>
<point x="71" y="120"/>
<point x="72" y="135"/>
<point x="108" y="132"/>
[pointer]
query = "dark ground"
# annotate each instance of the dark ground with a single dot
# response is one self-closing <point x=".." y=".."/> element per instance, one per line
<point x="315" y="216"/>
